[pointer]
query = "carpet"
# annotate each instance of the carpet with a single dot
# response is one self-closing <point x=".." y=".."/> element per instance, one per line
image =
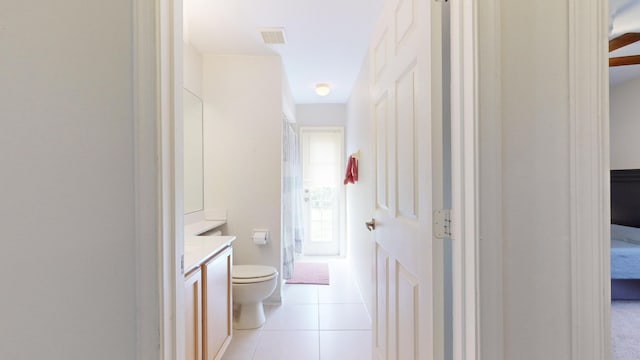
<point x="310" y="273"/>
<point x="625" y="336"/>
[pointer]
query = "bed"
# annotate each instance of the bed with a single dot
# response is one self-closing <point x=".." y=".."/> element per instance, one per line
<point x="625" y="234"/>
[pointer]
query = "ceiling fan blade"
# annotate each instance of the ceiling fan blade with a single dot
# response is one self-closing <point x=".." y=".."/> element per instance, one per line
<point x="625" y="60"/>
<point x="623" y="40"/>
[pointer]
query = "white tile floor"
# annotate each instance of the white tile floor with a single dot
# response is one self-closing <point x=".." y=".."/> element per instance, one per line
<point x="314" y="322"/>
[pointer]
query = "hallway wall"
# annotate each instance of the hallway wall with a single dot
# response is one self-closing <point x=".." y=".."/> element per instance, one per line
<point x="360" y="195"/>
<point x="68" y="267"/>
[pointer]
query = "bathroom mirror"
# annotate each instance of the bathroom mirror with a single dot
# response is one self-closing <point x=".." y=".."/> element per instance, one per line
<point x="193" y="153"/>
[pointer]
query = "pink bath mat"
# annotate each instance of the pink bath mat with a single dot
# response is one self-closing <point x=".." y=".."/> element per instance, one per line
<point x="310" y="273"/>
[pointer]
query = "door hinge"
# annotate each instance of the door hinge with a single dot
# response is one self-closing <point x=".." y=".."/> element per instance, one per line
<point x="182" y="264"/>
<point x="442" y="223"/>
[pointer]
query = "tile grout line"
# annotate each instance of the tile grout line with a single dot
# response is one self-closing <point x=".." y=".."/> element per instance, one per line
<point x="319" y="330"/>
<point x="255" y="348"/>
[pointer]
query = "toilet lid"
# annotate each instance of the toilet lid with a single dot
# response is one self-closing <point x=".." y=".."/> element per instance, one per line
<point x="253" y="271"/>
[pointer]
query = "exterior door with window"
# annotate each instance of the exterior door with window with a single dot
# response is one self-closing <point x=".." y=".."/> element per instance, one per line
<point x="322" y="162"/>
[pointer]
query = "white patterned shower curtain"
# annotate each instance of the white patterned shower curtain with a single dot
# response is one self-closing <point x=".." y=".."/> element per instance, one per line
<point x="291" y="199"/>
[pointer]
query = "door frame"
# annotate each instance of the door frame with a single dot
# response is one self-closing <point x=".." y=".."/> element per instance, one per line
<point x="465" y="236"/>
<point x="155" y="104"/>
<point x="589" y="179"/>
<point x="588" y="182"/>
<point x="157" y="108"/>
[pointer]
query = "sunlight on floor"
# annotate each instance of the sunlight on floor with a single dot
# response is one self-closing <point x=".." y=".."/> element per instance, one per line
<point x="326" y="322"/>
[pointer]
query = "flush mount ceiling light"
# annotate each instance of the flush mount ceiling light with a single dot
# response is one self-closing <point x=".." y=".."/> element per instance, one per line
<point x="323" y="89"/>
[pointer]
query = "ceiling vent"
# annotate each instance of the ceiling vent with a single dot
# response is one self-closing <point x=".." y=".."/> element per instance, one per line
<point x="273" y="36"/>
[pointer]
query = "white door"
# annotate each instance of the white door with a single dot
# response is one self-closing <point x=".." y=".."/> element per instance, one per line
<point x="407" y="103"/>
<point x="322" y="163"/>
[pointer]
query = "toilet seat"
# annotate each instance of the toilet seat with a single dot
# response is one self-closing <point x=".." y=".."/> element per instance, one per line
<point x="248" y="274"/>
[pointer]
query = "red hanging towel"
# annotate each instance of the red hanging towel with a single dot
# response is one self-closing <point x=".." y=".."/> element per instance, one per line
<point x="352" y="171"/>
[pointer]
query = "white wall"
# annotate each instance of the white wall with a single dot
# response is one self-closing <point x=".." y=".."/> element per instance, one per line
<point x="243" y="141"/>
<point x="625" y="125"/>
<point x="530" y="236"/>
<point x="490" y="250"/>
<point x="67" y="266"/>
<point x="192" y="71"/>
<point x="360" y="195"/>
<point x="321" y="114"/>
<point x="192" y="74"/>
<point x="288" y="107"/>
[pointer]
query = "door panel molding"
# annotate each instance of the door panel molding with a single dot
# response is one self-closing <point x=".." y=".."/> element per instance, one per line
<point x="381" y="300"/>
<point x="404" y="20"/>
<point x="406" y="145"/>
<point x="381" y="55"/>
<point x="407" y="313"/>
<point x="381" y="114"/>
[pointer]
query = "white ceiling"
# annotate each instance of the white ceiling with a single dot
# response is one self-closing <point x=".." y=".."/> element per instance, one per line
<point x="326" y="40"/>
<point x="624" y="18"/>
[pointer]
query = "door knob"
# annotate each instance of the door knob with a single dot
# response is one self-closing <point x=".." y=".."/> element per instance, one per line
<point x="371" y="225"/>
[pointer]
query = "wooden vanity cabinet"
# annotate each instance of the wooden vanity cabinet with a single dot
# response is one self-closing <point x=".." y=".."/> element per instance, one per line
<point x="217" y="304"/>
<point x="208" y="307"/>
<point x="193" y="315"/>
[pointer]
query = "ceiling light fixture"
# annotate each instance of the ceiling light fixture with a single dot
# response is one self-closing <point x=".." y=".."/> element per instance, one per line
<point x="323" y="89"/>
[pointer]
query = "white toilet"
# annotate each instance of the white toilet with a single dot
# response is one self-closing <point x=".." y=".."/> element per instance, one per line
<point x="251" y="285"/>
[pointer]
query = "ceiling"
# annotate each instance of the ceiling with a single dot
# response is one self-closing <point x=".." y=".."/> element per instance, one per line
<point x="326" y="40"/>
<point x="624" y="18"/>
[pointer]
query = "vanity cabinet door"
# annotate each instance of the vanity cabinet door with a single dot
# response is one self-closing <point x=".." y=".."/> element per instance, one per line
<point x="217" y="304"/>
<point x="193" y="315"/>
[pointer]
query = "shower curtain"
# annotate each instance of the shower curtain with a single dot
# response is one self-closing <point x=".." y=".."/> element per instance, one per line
<point x="291" y="199"/>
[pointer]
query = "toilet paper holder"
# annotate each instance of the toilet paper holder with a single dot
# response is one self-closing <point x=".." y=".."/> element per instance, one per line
<point x="260" y="236"/>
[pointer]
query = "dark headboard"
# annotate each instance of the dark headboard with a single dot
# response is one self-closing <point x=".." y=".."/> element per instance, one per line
<point x="625" y="197"/>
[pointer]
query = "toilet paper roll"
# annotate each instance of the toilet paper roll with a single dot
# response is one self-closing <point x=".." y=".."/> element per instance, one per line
<point x="260" y="237"/>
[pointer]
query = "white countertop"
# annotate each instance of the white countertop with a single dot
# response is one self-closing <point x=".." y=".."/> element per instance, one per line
<point x="200" y="248"/>
<point x="201" y="226"/>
